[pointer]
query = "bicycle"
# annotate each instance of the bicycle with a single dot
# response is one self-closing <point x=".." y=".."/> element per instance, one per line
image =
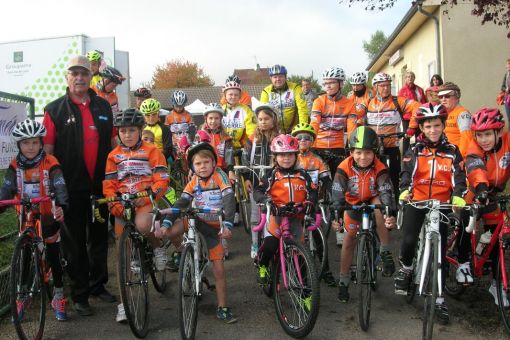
<point x="316" y="241"/>
<point x="500" y="239"/>
<point x="381" y="153"/>
<point x="295" y="286"/>
<point x="29" y="279"/>
<point x="178" y="174"/>
<point x="134" y="263"/>
<point x="194" y="256"/>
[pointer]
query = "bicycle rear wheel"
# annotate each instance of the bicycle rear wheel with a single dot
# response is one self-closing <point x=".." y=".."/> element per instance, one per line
<point x="430" y="289"/>
<point x="319" y="249"/>
<point x="364" y="270"/>
<point x="133" y="282"/>
<point x="188" y="295"/>
<point x="502" y="292"/>
<point x="297" y="305"/>
<point x="27" y="293"/>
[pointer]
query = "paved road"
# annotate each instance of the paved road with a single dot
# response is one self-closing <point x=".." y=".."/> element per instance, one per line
<point x="473" y="317"/>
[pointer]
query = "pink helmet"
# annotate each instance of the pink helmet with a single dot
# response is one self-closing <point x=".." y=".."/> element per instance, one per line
<point x="284" y="144"/>
<point x="487" y="119"/>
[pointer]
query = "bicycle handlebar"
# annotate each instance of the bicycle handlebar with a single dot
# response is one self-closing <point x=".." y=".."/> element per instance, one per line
<point x="25" y="201"/>
<point x="190" y="211"/>
<point x="393" y="134"/>
<point x="256" y="167"/>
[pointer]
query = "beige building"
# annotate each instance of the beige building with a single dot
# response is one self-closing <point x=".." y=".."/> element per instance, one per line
<point x="454" y="44"/>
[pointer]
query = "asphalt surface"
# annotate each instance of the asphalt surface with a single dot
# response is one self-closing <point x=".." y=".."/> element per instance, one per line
<point x="473" y="316"/>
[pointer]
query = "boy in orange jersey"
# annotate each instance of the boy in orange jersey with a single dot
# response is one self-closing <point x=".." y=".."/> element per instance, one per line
<point x="180" y="121"/>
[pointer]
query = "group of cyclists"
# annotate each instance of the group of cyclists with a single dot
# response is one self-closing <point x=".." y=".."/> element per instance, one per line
<point x="331" y="152"/>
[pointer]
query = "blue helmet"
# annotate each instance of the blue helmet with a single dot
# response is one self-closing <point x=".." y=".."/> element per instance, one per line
<point x="277" y="69"/>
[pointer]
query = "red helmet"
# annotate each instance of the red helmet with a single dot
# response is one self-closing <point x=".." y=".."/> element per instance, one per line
<point x="487" y="119"/>
<point x="431" y="110"/>
<point x="284" y="144"/>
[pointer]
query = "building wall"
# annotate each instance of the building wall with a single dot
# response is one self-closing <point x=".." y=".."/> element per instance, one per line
<point x="474" y="56"/>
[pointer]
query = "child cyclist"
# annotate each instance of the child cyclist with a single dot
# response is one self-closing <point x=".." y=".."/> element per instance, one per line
<point x="33" y="174"/>
<point x="319" y="172"/>
<point x="432" y="169"/>
<point x="257" y="151"/>
<point x="361" y="177"/>
<point x="132" y="167"/>
<point x="488" y="173"/>
<point x="162" y="135"/>
<point x="286" y="184"/>
<point x="209" y="188"/>
<point x="180" y="121"/>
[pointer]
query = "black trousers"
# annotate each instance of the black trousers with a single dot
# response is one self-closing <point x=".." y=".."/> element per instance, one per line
<point x="394" y="157"/>
<point x="85" y="247"/>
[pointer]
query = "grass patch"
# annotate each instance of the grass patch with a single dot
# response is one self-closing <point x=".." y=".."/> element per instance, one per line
<point x="8" y="223"/>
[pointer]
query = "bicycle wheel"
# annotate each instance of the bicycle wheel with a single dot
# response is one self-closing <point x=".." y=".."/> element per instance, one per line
<point x="430" y="290"/>
<point x="320" y="247"/>
<point x="452" y="287"/>
<point x="27" y="294"/>
<point x="297" y="305"/>
<point x="188" y="295"/>
<point x="364" y="270"/>
<point x="502" y="293"/>
<point x="158" y="276"/>
<point x="133" y="282"/>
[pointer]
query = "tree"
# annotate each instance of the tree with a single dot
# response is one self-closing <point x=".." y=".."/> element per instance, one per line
<point x="495" y="11"/>
<point x="372" y="47"/>
<point x="179" y="73"/>
<point x="313" y="82"/>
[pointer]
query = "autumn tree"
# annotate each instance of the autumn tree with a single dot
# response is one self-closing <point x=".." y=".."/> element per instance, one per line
<point x="374" y="46"/>
<point x="179" y="73"/>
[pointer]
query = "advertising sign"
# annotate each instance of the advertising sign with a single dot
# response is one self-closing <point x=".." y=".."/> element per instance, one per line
<point x="10" y="114"/>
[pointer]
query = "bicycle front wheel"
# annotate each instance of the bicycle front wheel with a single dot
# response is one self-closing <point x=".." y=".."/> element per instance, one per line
<point x="364" y="268"/>
<point x="188" y="294"/>
<point x="430" y="289"/>
<point x="133" y="282"/>
<point x="27" y="293"/>
<point x="503" y="304"/>
<point x="297" y="304"/>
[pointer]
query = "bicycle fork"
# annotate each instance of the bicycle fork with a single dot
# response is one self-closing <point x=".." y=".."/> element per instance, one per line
<point x="433" y="232"/>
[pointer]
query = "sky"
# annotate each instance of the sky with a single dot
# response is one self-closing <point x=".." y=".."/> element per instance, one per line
<point x="304" y="35"/>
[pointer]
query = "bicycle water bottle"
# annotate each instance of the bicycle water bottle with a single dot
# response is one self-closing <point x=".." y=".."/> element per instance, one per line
<point x="485" y="238"/>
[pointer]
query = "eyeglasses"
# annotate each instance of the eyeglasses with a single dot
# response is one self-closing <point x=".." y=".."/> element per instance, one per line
<point x="76" y="73"/>
<point x="305" y="138"/>
<point x="444" y="96"/>
<point x="328" y="83"/>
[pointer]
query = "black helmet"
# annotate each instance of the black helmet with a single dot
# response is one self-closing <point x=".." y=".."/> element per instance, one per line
<point x="364" y="138"/>
<point x="128" y="117"/>
<point x="112" y="74"/>
<point x="198" y="147"/>
<point x="143" y="92"/>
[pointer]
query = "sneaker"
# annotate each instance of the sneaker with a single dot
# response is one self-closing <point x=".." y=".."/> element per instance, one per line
<point x="254" y="250"/>
<point x="343" y="293"/>
<point x="59" y="306"/>
<point x="339" y="238"/>
<point x="135" y="266"/>
<point x="402" y="281"/>
<point x="263" y="277"/>
<point x="494" y="292"/>
<point x="224" y="243"/>
<point x="441" y="311"/>
<point x="388" y="264"/>
<point x="329" y="279"/>
<point x="225" y="314"/>
<point x="160" y="258"/>
<point x="121" y="314"/>
<point x="464" y="275"/>
<point x="174" y="262"/>
<point x="21" y="305"/>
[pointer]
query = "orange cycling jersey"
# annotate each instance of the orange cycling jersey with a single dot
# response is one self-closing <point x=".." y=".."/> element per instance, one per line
<point x="110" y="98"/>
<point x="433" y="172"/>
<point x="361" y="102"/>
<point x="382" y="115"/>
<point x="134" y="169"/>
<point x="331" y="117"/>
<point x="179" y="124"/>
<point x="314" y="166"/>
<point x="222" y="144"/>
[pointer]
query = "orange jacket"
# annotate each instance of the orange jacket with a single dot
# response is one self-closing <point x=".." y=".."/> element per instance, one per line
<point x="180" y="124"/>
<point x="314" y="166"/>
<point x="245" y="99"/>
<point x="331" y="117"/>
<point x="222" y="144"/>
<point x="133" y="170"/>
<point x="361" y="102"/>
<point x="110" y="98"/>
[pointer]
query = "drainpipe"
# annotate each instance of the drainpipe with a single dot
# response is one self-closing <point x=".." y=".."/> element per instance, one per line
<point x="436" y="21"/>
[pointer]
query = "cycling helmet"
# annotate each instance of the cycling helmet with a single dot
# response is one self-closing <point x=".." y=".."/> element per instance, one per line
<point x="94" y="55"/>
<point x="380" y="77"/>
<point x="364" y="138"/>
<point x="303" y="127"/>
<point x="179" y="98"/>
<point x="284" y="144"/>
<point x="112" y="74"/>
<point x="26" y="129"/>
<point x="150" y="105"/>
<point x="487" y="119"/>
<point x="358" y="78"/>
<point x="335" y="73"/>
<point x="128" y="117"/>
<point x="234" y="78"/>
<point x="213" y="107"/>
<point x="277" y="69"/>
<point x="143" y="92"/>
<point x="231" y="85"/>
<point x="192" y="151"/>
<point x="429" y="110"/>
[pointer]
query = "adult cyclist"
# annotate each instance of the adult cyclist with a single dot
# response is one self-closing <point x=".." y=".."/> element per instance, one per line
<point x="360" y="93"/>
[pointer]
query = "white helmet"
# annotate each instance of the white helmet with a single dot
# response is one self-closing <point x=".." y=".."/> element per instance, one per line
<point x="380" y="77"/>
<point x="358" y="78"/>
<point x="231" y="85"/>
<point x="28" y="129"/>
<point x="179" y="98"/>
<point x="213" y="107"/>
<point x="334" y="73"/>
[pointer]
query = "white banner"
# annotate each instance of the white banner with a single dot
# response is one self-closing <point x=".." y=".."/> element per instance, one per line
<point x="10" y="114"/>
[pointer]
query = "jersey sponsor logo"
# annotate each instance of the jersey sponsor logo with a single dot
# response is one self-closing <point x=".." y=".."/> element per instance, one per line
<point x="133" y="168"/>
<point x="434" y="182"/>
<point x="179" y="127"/>
<point x="504" y="161"/>
<point x="464" y="121"/>
<point x="383" y="118"/>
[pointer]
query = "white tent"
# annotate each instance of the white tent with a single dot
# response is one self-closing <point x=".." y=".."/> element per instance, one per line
<point x="197" y="107"/>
